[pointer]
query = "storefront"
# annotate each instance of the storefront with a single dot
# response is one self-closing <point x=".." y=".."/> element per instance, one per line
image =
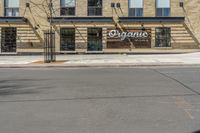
<point x="103" y="34"/>
<point x="97" y="26"/>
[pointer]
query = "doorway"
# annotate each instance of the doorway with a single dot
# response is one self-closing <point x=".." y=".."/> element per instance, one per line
<point x="163" y="37"/>
<point x="8" y="39"/>
<point x="94" y="39"/>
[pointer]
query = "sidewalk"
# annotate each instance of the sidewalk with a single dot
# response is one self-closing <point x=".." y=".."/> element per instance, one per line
<point x="104" y="60"/>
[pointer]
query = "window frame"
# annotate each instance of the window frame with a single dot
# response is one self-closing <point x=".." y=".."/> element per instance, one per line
<point x="12" y="9"/>
<point x="135" y="10"/>
<point x="166" y="36"/>
<point x="68" y="36"/>
<point x="64" y="7"/>
<point x="101" y="14"/>
<point x="96" y="37"/>
<point x="162" y="9"/>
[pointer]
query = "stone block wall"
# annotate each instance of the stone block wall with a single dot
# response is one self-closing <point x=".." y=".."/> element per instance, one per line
<point x="191" y="11"/>
<point x="38" y="10"/>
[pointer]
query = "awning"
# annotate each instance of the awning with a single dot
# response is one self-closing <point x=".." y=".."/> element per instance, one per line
<point x="13" y="20"/>
<point x="81" y="19"/>
<point x="151" y="19"/>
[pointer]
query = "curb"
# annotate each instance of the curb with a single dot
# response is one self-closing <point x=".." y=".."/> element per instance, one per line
<point x="99" y="65"/>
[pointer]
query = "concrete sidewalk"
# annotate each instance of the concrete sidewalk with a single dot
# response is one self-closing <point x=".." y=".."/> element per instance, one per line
<point x="103" y="60"/>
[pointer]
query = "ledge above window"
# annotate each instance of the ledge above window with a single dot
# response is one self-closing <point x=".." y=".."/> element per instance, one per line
<point x="13" y="20"/>
<point x="151" y="19"/>
<point x="81" y="19"/>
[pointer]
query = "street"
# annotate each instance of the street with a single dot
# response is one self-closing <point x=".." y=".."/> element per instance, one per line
<point x="100" y="100"/>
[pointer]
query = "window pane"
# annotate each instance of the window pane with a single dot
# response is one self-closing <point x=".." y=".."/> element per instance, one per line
<point x="97" y="3"/>
<point x="159" y="12"/>
<point x="67" y="11"/>
<point x="166" y="12"/>
<point x="139" y="12"/>
<point x="94" y="11"/>
<point x="67" y="3"/>
<point x="16" y="12"/>
<point x="67" y="39"/>
<point x="163" y="3"/>
<point x="8" y="12"/>
<point x="12" y="3"/>
<point x="135" y="3"/>
<point x="131" y="11"/>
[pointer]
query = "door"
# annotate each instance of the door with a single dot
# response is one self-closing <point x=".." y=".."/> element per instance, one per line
<point x="94" y="39"/>
<point x="8" y="39"/>
<point x="163" y="37"/>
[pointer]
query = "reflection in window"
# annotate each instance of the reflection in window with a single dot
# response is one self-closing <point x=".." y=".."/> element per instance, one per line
<point x="67" y="7"/>
<point x="163" y="37"/>
<point x="67" y="39"/>
<point x="136" y="8"/>
<point x="163" y="8"/>
<point x="94" y="7"/>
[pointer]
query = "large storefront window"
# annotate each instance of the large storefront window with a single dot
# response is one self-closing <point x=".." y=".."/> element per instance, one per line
<point x="67" y="7"/>
<point x="162" y="8"/>
<point x="8" y="39"/>
<point x="94" y="39"/>
<point x="94" y="7"/>
<point x="11" y="8"/>
<point x="136" y="8"/>
<point x="163" y="37"/>
<point x="67" y="39"/>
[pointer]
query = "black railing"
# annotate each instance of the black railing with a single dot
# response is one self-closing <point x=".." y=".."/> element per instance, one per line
<point x="49" y="47"/>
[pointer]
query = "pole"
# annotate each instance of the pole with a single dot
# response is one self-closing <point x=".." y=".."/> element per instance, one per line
<point x="51" y="29"/>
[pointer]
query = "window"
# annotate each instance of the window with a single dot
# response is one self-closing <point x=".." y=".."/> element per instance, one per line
<point x="163" y="37"/>
<point x="67" y="7"/>
<point x="163" y="8"/>
<point x="94" y="7"/>
<point x="136" y="8"/>
<point x="8" y="39"/>
<point x="67" y="39"/>
<point x="11" y="8"/>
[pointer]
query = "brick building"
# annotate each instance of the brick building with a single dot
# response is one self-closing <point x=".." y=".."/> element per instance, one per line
<point x="84" y="26"/>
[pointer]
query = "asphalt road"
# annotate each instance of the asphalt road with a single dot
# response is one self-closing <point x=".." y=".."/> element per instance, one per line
<point x="100" y="100"/>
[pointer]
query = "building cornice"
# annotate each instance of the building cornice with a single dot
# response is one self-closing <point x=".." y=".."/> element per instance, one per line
<point x="151" y="19"/>
<point x="13" y="20"/>
<point x="81" y="19"/>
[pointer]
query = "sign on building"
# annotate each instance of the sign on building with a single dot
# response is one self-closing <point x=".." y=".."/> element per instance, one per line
<point x="127" y="38"/>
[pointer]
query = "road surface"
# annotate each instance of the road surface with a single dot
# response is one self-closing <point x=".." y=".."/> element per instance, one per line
<point x="100" y="100"/>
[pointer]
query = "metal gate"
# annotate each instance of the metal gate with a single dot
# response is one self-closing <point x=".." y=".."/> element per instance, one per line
<point x="49" y="47"/>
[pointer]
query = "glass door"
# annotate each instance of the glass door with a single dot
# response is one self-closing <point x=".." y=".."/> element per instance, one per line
<point x="94" y="39"/>
<point x="163" y="37"/>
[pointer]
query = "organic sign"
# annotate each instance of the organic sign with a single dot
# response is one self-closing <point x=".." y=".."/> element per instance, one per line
<point x="125" y="35"/>
<point x="126" y="38"/>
